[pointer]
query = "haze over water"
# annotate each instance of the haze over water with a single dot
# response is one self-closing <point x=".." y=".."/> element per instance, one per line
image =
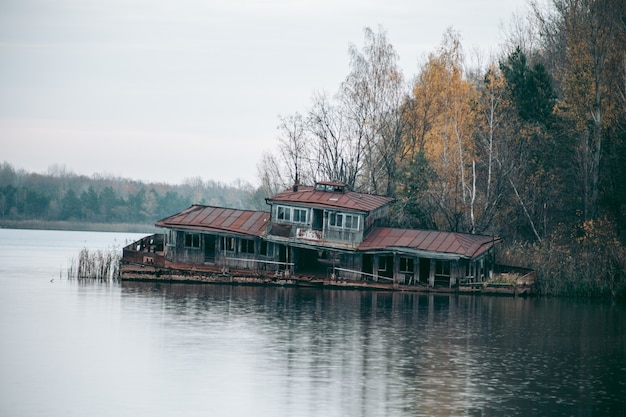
<point x="75" y="348"/>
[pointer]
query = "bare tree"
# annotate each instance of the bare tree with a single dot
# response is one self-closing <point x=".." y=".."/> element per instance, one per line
<point x="271" y="175"/>
<point x="291" y="163"/>
<point x="336" y="154"/>
<point x="372" y="96"/>
<point x="354" y="138"/>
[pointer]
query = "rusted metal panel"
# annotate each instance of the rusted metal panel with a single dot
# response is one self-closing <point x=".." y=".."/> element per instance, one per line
<point x="448" y="243"/>
<point x="206" y="218"/>
<point x="349" y="200"/>
<point x="464" y="245"/>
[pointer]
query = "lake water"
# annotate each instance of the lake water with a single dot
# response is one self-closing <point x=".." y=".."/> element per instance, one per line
<point x="74" y="348"/>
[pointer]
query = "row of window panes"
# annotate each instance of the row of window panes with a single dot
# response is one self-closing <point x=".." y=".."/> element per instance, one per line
<point x="247" y="246"/>
<point x="338" y="220"/>
<point x="408" y="265"/>
<point x="344" y="221"/>
<point x="289" y="213"/>
<point x="192" y="240"/>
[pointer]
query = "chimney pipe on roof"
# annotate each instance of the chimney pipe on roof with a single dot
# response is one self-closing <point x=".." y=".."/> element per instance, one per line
<point x="295" y="184"/>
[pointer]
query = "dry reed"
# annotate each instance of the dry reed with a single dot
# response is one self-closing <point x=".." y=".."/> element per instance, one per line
<point x="102" y="265"/>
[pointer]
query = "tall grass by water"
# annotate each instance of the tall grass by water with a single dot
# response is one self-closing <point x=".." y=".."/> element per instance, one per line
<point x="101" y="265"/>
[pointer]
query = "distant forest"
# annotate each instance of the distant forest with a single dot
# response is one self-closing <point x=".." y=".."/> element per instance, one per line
<point x="61" y="195"/>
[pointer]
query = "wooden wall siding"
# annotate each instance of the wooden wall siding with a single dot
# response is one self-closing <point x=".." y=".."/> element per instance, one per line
<point x="354" y="270"/>
<point x="376" y="218"/>
<point x="354" y="238"/>
<point x="385" y="266"/>
<point x="236" y="259"/>
<point x="178" y="252"/>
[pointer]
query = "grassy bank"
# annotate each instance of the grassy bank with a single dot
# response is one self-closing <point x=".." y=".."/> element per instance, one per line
<point x="590" y="265"/>
<point x="78" y="226"/>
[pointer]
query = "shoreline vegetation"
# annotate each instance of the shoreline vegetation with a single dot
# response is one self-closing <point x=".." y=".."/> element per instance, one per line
<point x="100" y="265"/>
<point x="590" y="263"/>
<point x="560" y="271"/>
<point x="78" y="226"/>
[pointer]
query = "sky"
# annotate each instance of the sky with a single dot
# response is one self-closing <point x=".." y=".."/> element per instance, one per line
<point x="164" y="91"/>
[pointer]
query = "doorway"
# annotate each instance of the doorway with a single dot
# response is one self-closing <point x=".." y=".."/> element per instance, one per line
<point x="424" y="272"/>
<point x="209" y="248"/>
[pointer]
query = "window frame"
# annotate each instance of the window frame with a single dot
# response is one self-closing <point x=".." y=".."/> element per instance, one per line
<point x="407" y="265"/>
<point x="335" y="219"/>
<point x="340" y="220"/>
<point x="354" y="221"/>
<point x="227" y="244"/>
<point x="192" y="240"/>
<point x="298" y="214"/>
<point x="442" y="268"/>
<point x="266" y="248"/>
<point x="247" y="246"/>
<point x="283" y="213"/>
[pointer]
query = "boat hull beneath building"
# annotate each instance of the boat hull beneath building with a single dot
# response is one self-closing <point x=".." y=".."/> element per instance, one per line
<point x="145" y="260"/>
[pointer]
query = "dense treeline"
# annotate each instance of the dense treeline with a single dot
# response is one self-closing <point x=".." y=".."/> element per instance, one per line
<point x="60" y="195"/>
<point x="529" y="146"/>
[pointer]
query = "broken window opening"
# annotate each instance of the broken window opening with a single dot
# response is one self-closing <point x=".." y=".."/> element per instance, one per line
<point x="192" y="240"/>
<point x="247" y="246"/>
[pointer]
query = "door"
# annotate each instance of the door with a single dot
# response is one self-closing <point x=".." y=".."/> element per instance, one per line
<point x="209" y="248"/>
<point x="424" y="271"/>
<point x="318" y="219"/>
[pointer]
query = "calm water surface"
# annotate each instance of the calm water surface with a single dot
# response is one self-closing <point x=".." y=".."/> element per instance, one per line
<point x="70" y="348"/>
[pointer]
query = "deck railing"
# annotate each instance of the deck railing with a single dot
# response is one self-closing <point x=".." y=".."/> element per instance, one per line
<point x="363" y="276"/>
<point x="303" y="232"/>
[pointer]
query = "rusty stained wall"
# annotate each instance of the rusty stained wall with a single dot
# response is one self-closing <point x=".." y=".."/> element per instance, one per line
<point x="424" y="269"/>
<point x="219" y="252"/>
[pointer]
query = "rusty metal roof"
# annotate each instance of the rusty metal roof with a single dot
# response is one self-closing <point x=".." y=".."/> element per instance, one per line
<point x="350" y="200"/>
<point x="431" y="241"/>
<point x="218" y="219"/>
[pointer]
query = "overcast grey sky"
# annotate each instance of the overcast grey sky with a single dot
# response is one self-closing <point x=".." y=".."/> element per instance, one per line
<point x="162" y="90"/>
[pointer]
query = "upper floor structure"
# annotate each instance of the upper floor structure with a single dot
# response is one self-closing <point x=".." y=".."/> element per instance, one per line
<point x="327" y="214"/>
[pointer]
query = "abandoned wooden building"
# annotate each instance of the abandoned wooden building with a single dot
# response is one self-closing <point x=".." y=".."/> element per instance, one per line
<point x="324" y="233"/>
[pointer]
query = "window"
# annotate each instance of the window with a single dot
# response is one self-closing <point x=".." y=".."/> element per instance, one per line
<point x="192" y="240"/>
<point x="406" y="264"/>
<point x="346" y="221"/>
<point x="336" y="220"/>
<point x="299" y="215"/>
<point x="332" y="188"/>
<point x="351" y="221"/>
<point x="382" y="263"/>
<point x="247" y="246"/>
<point x="266" y="248"/>
<point x="442" y="268"/>
<point x="385" y="265"/>
<point x="228" y="244"/>
<point x="284" y="213"/>
<point x="289" y="214"/>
